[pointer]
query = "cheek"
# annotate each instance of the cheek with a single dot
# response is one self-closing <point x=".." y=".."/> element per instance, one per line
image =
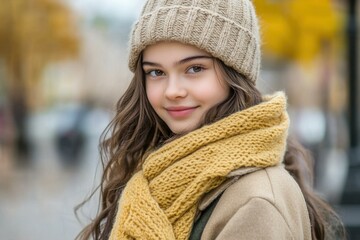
<point x="153" y="94"/>
<point x="214" y="93"/>
<point x="225" y="92"/>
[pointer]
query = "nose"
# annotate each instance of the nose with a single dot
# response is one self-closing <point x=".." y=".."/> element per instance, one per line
<point x="175" y="88"/>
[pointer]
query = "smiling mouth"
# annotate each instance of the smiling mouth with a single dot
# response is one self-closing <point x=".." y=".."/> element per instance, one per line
<point x="180" y="112"/>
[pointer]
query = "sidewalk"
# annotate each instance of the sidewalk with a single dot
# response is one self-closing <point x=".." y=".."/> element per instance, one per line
<point x="38" y="203"/>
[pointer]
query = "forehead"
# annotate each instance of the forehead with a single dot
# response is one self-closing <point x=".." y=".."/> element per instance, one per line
<point x="171" y="50"/>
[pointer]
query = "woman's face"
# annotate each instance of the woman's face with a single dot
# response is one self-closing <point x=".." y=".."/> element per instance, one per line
<point x="182" y="84"/>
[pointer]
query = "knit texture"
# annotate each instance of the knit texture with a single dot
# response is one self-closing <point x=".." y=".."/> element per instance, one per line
<point x="160" y="201"/>
<point x="226" y="29"/>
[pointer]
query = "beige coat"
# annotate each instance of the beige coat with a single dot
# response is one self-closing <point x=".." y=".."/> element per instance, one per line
<point x="263" y="204"/>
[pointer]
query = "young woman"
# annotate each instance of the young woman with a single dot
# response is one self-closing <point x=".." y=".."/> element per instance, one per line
<point x="195" y="151"/>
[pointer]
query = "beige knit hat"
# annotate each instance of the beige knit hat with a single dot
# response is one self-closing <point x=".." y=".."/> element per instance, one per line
<point x="227" y="29"/>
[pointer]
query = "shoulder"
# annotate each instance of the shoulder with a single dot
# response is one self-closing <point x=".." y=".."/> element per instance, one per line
<point x="274" y="185"/>
<point x="268" y="200"/>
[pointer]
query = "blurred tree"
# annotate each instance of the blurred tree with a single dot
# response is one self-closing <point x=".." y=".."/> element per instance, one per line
<point x="299" y="29"/>
<point x="32" y="34"/>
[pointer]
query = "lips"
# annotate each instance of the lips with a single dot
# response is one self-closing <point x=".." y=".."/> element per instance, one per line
<point x="180" y="112"/>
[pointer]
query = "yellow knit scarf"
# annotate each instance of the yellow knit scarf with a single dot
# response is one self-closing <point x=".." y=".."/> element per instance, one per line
<point x="160" y="201"/>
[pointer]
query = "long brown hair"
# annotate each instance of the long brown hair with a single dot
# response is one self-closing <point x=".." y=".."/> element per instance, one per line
<point x="136" y="129"/>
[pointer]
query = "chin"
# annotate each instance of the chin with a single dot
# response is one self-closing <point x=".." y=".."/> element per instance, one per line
<point x="182" y="131"/>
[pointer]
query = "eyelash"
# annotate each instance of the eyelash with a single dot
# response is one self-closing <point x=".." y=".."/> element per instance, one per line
<point x="148" y="73"/>
<point x="196" y="66"/>
<point x="200" y="67"/>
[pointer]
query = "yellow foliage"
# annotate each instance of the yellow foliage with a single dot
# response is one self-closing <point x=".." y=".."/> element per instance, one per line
<point x="297" y="29"/>
<point x="40" y="29"/>
<point x="32" y="34"/>
<point x="276" y="34"/>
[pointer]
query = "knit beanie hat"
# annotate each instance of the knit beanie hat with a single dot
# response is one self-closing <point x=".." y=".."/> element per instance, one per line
<point x="227" y="29"/>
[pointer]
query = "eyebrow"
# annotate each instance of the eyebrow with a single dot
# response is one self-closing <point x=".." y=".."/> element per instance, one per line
<point x="182" y="61"/>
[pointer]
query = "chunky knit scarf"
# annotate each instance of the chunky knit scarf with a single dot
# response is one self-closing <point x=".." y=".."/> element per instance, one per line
<point x="160" y="201"/>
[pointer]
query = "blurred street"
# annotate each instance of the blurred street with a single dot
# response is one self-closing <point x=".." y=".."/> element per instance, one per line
<point x="37" y="202"/>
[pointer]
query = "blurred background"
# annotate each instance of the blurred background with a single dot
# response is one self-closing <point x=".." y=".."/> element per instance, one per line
<point x="63" y="65"/>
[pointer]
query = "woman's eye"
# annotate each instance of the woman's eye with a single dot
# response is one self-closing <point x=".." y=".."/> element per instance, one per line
<point x="155" y="73"/>
<point x="195" y="69"/>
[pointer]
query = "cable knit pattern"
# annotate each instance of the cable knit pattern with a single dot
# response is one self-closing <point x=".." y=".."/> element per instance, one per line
<point x="227" y="29"/>
<point x="160" y="201"/>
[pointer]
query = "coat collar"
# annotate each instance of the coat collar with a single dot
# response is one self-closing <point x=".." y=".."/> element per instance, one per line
<point x="216" y="192"/>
